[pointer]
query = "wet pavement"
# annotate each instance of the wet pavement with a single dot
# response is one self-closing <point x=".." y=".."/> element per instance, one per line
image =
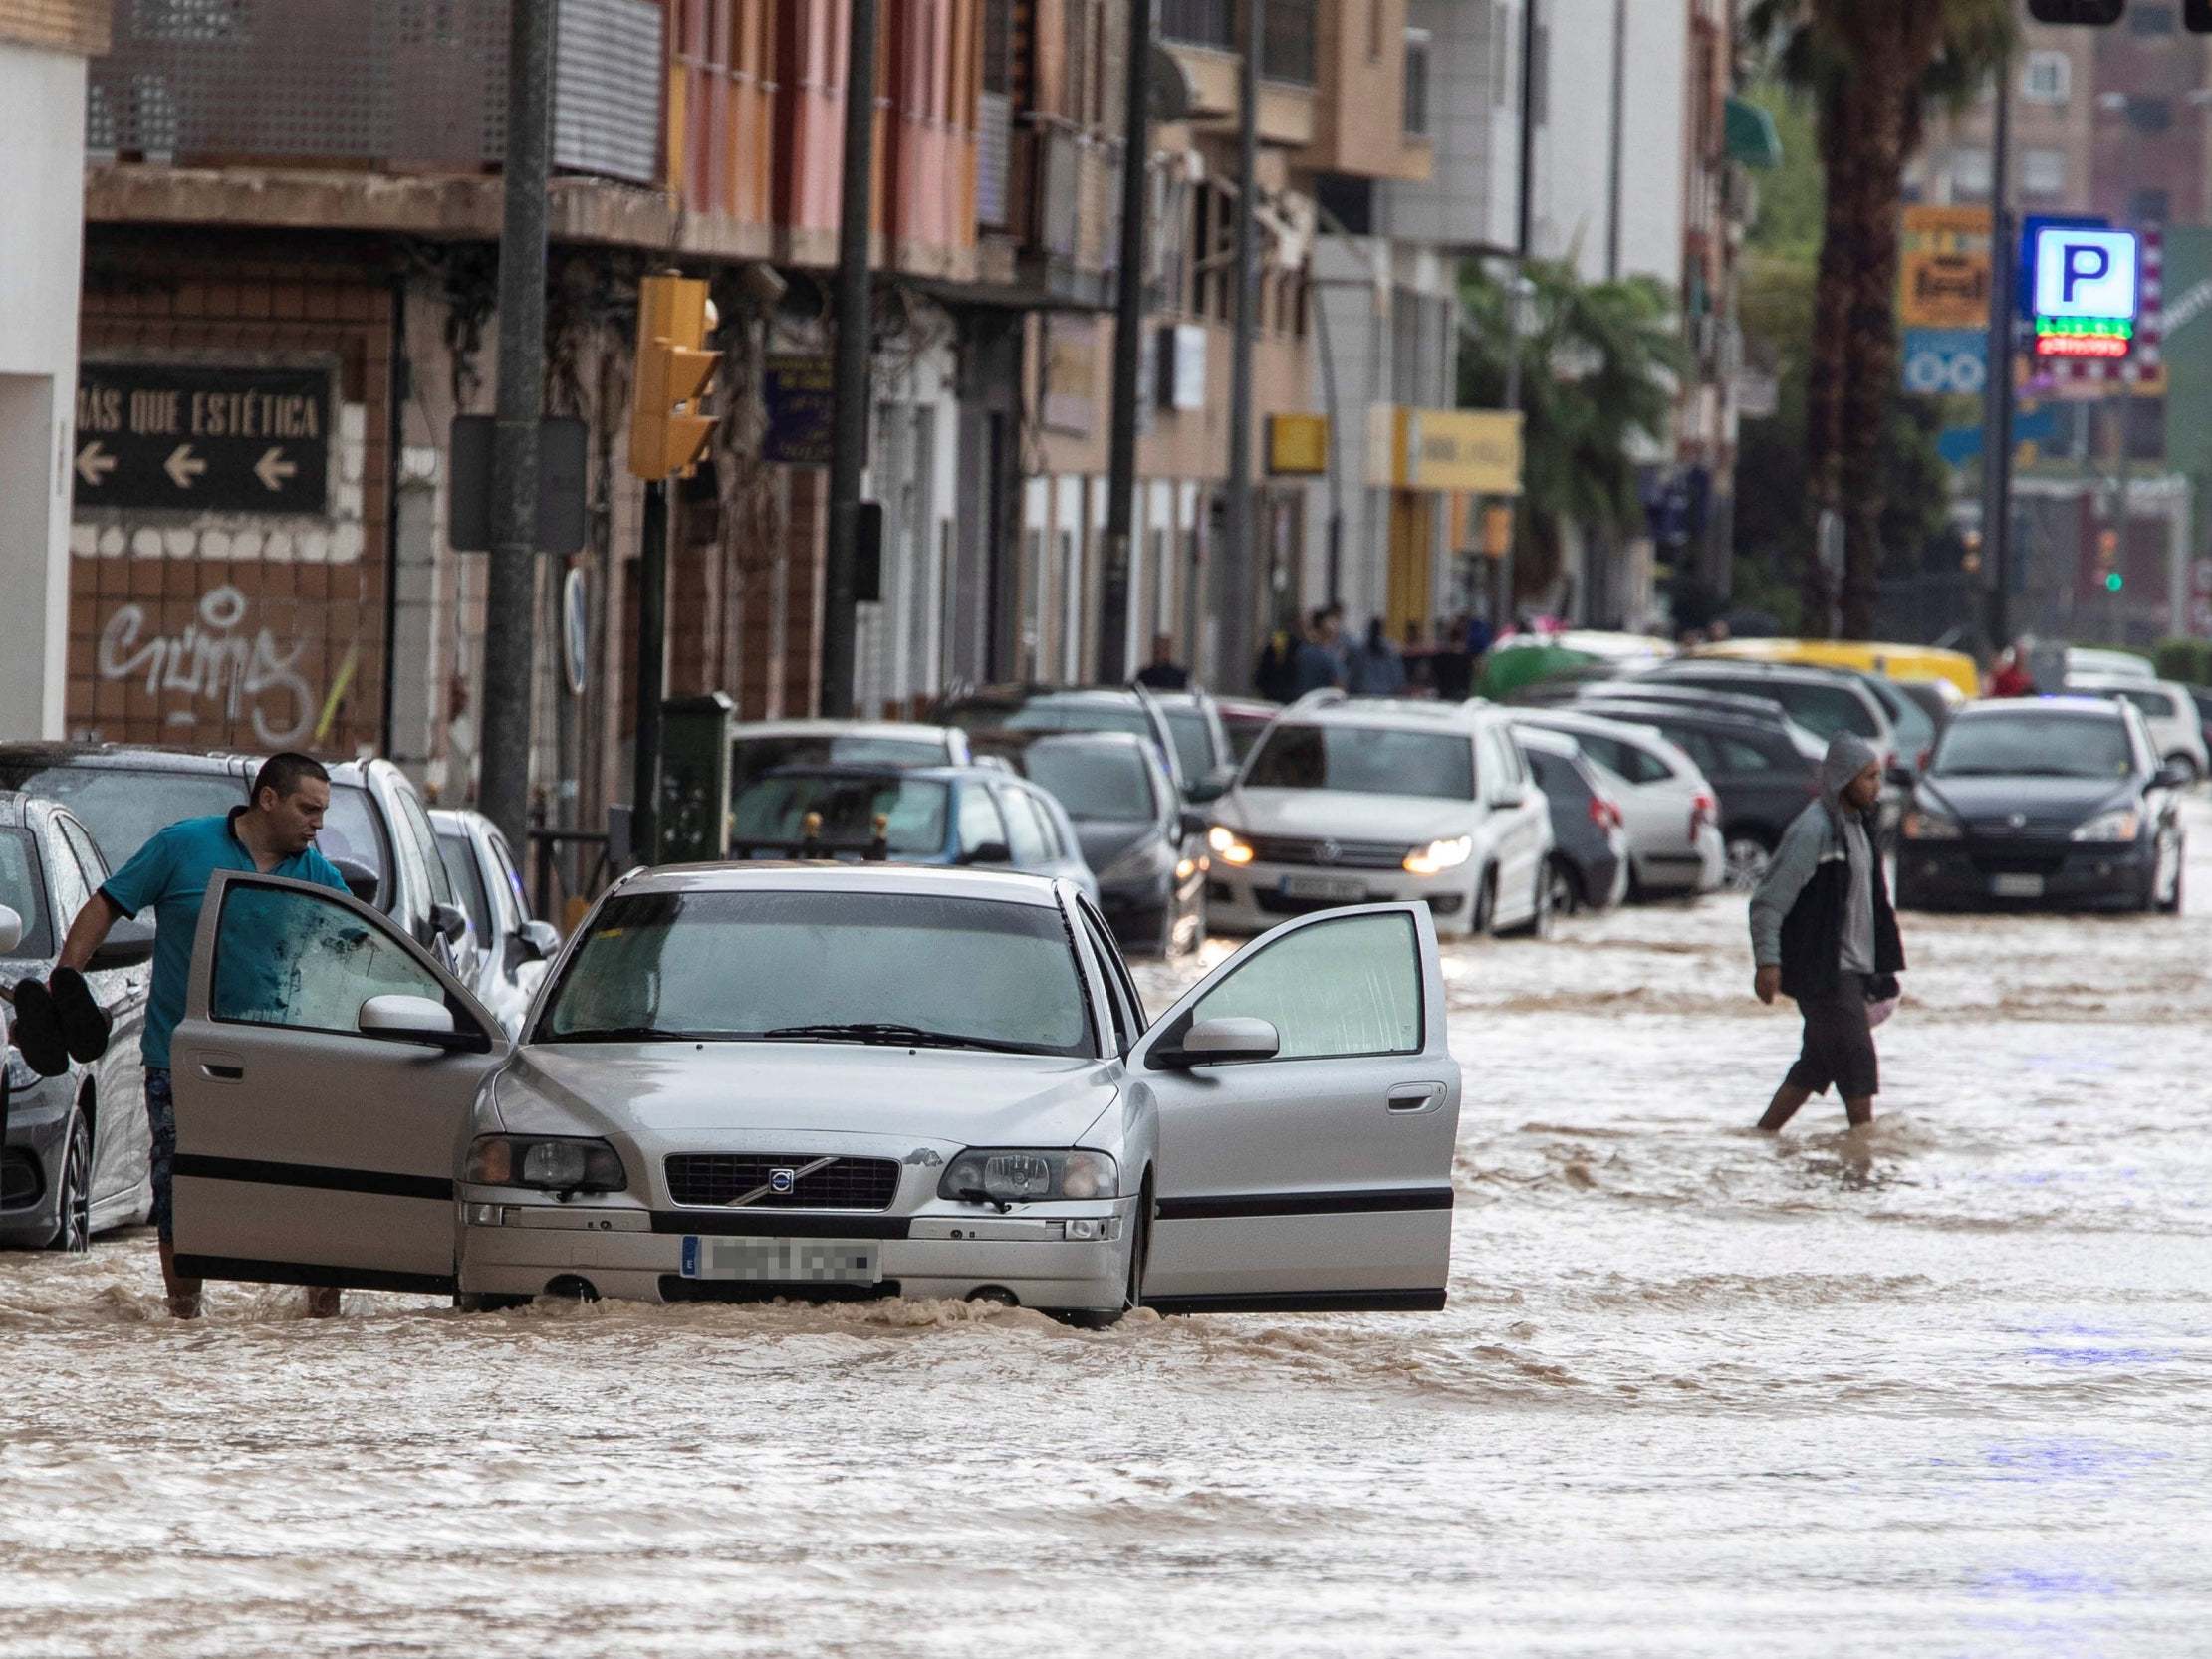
<point x="1937" y="1388"/>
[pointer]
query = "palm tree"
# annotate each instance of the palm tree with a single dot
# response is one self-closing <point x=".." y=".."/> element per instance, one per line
<point x="1600" y="362"/>
<point x="1873" y="69"/>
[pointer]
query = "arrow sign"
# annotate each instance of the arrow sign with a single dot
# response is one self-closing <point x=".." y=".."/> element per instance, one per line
<point x="182" y="466"/>
<point x="273" y="469"/>
<point x="93" y="464"/>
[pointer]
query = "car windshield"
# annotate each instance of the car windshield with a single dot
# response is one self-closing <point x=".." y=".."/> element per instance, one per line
<point x="794" y="966"/>
<point x="775" y="809"/>
<point x="124" y="807"/>
<point x="1364" y="760"/>
<point x="22" y="891"/>
<point x="1193" y="741"/>
<point x="1915" y="731"/>
<point x="1092" y="780"/>
<point x="750" y="757"/>
<point x="1823" y="710"/>
<point x="468" y="881"/>
<point x="1052" y="714"/>
<point x="2033" y="745"/>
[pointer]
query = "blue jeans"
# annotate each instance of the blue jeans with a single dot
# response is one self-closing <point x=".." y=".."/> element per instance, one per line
<point x="161" y="1120"/>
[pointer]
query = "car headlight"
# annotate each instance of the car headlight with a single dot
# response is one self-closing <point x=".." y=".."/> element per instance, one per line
<point x="2122" y="824"/>
<point x="21" y="1076"/>
<point x="1931" y="826"/>
<point x="1439" y="856"/>
<point x="1141" y="863"/>
<point x="554" y="1163"/>
<point x="1019" y="1175"/>
<point x="1228" y="846"/>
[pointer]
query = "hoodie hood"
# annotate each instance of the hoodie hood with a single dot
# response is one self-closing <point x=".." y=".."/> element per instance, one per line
<point x="1848" y="756"/>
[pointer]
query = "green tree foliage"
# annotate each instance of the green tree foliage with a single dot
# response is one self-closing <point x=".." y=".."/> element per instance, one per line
<point x="1599" y="365"/>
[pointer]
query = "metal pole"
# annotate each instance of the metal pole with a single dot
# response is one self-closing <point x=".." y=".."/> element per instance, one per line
<point x="849" y="389"/>
<point x="1329" y="414"/>
<point x="1233" y="570"/>
<point x="1619" y="137"/>
<point x="652" y="679"/>
<point x="1522" y="237"/>
<point x="1128" y="342"/>
<point x="1998" y="392"/>
<point x="509" y="637"/>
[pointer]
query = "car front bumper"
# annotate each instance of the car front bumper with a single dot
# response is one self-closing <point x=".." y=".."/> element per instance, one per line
<point x="1252" y="898"/>
<point x="2026" y="871"/>
<point x="31" y="1162"/>
<point x="634" y="1254"/>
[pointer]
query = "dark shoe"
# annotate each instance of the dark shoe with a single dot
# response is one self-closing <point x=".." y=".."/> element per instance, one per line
<point x="84" y="1023"/>
<point x="38" y="1029"/>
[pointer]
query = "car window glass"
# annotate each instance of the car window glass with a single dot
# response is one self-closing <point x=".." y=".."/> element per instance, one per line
<point x="1126" y="1023"/>
<point x="1339" y="987"/>
<point x="517" y="903"/>
<point x="2032" y="744"/>
<point x="1092" y="780"/>
<point x="70" y="891"/>
<point x="1739" y="756"/>
<point x="1364" y="760"/>
<point x="417" y="828"/>
<point x="301" y="960"/>
<point x="1117" y="968"/>
<point x="460" y="864"/>
<point x="751" y="757"/>
<point x="774" y="810"/>
<point x="1022" y="832"/>
<point x="1556" y="775"/>
<point x="1700" y="749"/>
<point x="24" y="891"/>
<point x="1047" y="821"/>
<point x="89" y="859"/>
<point x="1193" y="740"/>
<point x="980" y="823"/>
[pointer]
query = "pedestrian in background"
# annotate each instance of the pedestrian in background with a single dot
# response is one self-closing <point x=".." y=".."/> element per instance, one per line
<point x="1274" y="675"/>
<point x="1377" y="670"/>
<point x="274" y="834"/>
<point x="1451" y="667"/>
<point x="1163" y="672"/>
<point x="2012" y="678"/>
<point x="1823" y="933"/>
<point x="1318" y="664"/>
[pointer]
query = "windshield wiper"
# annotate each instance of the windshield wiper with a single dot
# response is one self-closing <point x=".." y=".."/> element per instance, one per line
<point x="633" y="1033"/>
<point x="893" y="1035"/>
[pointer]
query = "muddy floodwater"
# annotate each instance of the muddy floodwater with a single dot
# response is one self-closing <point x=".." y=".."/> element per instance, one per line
<point x="1942" y="1389"/>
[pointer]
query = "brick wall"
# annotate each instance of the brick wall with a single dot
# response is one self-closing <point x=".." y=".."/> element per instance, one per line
<point x="72" y="25"/>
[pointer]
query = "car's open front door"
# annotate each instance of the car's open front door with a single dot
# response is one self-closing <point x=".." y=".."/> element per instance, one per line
<point x="1319" y="1177"/>
<point x="309" y="1150"/>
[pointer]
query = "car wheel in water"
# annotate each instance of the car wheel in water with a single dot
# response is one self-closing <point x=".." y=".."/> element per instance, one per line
<point x="1132" y="1293"/>
<point x="1484" y="921"/>
<point x="2170" y="904"/>
<point x="73" y="1231"/>
<point x="489" y="1302"/>
<point x="1748" y="860"/>
<point x="1567" y="892"/>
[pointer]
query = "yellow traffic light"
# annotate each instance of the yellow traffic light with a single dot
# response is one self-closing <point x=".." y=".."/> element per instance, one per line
<point x="667" y="433"/>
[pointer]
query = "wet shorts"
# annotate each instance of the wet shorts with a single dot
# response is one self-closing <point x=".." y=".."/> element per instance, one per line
<point x="161" y="1120"/>
<point x="1839" y="1048"/>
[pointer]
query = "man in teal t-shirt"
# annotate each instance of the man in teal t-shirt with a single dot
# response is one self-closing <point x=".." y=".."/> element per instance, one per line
<point x="275" y="835"/>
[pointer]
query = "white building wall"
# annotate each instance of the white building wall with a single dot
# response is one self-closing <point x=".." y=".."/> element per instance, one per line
<point x="41" y="239"/>
<point x="1469" y="199"/>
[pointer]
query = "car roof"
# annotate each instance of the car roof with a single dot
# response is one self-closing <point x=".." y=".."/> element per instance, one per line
<point x="1026" y="741"/>
<point x="1028" y="693"/>
<point x="1725" y="720"/>
<point x="148" y="757"/>
<point x="1404" y="714"/>
<point x="2124" y="682"/>
<point x="458" y="818"/>
<point x="883" y="770"/>
<point x="842" y="728"/>
<point x="2097" y="707"/>
<point x="1552" y="743"/>
<point x="762" y="876"/>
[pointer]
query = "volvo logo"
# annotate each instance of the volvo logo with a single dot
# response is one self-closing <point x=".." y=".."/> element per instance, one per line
<point x="1327" y="852"/>
<point x="781" y="1180"/>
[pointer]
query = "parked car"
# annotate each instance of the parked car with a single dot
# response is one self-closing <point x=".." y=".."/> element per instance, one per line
<point x="1356" y="802"/>
<point x="1148" y="850"/>
<point x="1589" y="844"/>
<point x="2200" y="697"/>
<point x="1912" y="727"/>
<point x="1762" y="773"/>
<point x="377" y="831"/>
<point x="1937" y="699"/>
<point x="2176" y="729"/>
<point x="2049" y="800"/>
<point x="1824" y="701"/>
<point x="1203" y="747"/>
<point x="939" y="815"/>
<point x="2090" y="660"/>
<point x="513" y="947"/>
<point x="750" y="1081"/>
<point x="1878" y="657"/>
<point x="1246" y="719"/>
<point x="74" y="1148"/>
<point x="1672" y="813"/>
<point x="1059" y="708"/>
<point x="764" y="745"/>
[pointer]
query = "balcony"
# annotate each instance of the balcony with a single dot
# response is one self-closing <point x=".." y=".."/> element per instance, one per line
<point x="1287" y="48"/>
<point x="399" y="86"/>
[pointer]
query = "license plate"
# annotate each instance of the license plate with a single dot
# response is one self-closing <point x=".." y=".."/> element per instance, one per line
<point x="2016" y="887"/>
<point x="783" y="1261"/>
<point x="1343" y="889"/>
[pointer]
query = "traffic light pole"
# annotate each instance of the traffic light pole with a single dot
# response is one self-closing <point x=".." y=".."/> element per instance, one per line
<point x="1998" y="392"/>
<point x="503" y="789"/>
<point x="1128" y="342"/>
<point x="850" y="376"/>
<point x="653" y="673"/>
<point x="1234" y="563"/>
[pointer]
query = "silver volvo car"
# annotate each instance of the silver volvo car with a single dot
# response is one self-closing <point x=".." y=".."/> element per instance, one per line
<point x="758" y="1080"/>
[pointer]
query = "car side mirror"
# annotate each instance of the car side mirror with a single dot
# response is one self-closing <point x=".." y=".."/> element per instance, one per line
<point x="129" y="943"/>
<point x="2171" y="775"/>
<point x="1213" y="786"/>
<point x="1509" y="796"/>
<point x="1221" y="1042"/>
<point x="541" y="940"/>
<point x="990" y="853"/>
<point x="450" y="920"/>
<point x="11" y="929"/>
<point x="418" y="1019"/>
<point x="359" y="880"/>
<point x="1193" y="823"/>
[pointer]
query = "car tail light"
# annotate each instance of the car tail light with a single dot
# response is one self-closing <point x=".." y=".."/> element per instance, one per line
<point x="1703" y="811"/>
<point x="1604" y="813"/>
<point x="1927" y="759"/>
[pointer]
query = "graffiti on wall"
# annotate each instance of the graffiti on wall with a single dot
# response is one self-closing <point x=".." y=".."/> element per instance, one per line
<point x="214" y="660"/>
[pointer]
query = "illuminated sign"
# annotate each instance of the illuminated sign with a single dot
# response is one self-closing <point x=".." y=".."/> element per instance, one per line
<point x="2079" y="272"/>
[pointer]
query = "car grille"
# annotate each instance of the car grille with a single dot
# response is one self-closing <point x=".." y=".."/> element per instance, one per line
<point x="721" y="1177"/>
<point x="2019" y="863"/>
<point x="20" y="1183"/>
<point x="2034" y="829"/>
<point x="1327" y="854"/>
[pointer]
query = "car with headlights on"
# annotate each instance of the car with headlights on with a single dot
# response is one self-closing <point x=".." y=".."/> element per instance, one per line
<point x="1148" y="850"/>
<point x="1350" y="800"/>
<point x="2057" y="801"/>
<point x="750" y="1080"/>
<point x="74" y="1148"/>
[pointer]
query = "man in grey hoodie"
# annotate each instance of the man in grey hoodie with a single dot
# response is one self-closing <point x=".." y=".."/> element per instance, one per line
<point x="1822" y="931"/>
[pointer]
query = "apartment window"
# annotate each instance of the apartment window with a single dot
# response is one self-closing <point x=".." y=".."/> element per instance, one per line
<point x="2151" y="207"/>
<point x="2151" y="17"/>
<point x="998" y="46"/>
<point x="1287" y="51"/>
<point x="1970" y="174"/>
<point x="1200" y="22"/>
<point x="1416" y="82"/>
<point x="1076" y="59"/>
<point x="2048" y="78"/>
<point x="2149" y="114"/>
<point x="2042" y="173"/>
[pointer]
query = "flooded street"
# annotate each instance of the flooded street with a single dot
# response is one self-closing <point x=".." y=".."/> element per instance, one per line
<point x="1936" y="1389"/>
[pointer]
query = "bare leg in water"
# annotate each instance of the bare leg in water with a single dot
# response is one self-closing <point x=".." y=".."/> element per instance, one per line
<point x="184" y="1293"/>
<point x="1789" y="1097"/>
